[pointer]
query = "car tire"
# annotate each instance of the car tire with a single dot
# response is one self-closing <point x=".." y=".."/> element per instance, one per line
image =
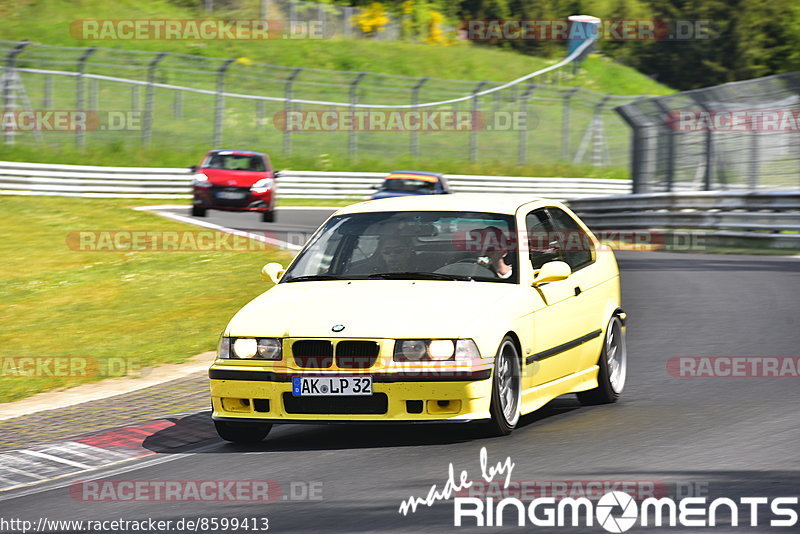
<point x="613" y="363"/>
<point x="506" y="390"/>
<point x="242" y="432"/>
<point x="268" y="216"/>
<point x="197" y="211"/>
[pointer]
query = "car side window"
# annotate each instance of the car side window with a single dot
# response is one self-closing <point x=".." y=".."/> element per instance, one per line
<point x="541" y="247"/>
<point x="576" y="246"/>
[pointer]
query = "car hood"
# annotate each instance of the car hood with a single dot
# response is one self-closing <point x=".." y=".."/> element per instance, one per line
<point x="392" y="194"/>
<point x="234" y="178"/>
<point x="374" y="309"/>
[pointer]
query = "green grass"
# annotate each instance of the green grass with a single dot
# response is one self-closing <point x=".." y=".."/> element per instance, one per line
<point x="48" y="22"/>
<point x="152" y="307"/>
<point x="116" y="155"/>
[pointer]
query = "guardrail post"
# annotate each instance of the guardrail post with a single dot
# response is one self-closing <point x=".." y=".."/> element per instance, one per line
<point x="287" y="108"/>
<point x="565" y="123"/>
<point x="219" y="105"/>
<point x="147" y="122"/>
<point x="522" y="149"/>
<point x="415" y="102"/>
<point x="9" y="76"/>
<point x="81" y="66"/>
<point x="473" y="133"/>
<point x="352" y="147"/>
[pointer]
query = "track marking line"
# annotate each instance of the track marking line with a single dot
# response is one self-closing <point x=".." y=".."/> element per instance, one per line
<point x="55" y="459"/>
<point x="189" y="220"/>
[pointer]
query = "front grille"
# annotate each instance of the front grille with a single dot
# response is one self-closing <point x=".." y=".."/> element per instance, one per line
<point x="356" y="354"/>
<point x="313" y="354"/>
<point x="376" y="403"/>
<point x="231" y="202"/>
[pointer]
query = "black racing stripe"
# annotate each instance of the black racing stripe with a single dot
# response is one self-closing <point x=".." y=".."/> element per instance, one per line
<point x="561" y="348"/>
<point x="380" y="378"/>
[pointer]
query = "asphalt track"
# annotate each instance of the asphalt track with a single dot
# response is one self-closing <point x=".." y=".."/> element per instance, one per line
<point x="727" y="437"/>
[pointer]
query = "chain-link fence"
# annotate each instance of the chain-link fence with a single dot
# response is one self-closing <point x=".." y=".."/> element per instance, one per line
<point x="741" y="135"/>
<point x="176" y="101"/>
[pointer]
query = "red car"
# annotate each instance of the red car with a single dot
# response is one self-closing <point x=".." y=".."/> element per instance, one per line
<point x="234" y="180"/>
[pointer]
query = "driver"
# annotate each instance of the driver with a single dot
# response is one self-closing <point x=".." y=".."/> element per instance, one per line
<point x="396" y="254"/>
<point x="494" y="250"/>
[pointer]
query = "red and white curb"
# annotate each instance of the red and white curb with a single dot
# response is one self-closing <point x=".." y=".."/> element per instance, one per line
<point x="51" y="461"/>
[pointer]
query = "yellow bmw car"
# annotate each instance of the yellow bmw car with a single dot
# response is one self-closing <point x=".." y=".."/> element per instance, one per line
<point x="452" y="308"/>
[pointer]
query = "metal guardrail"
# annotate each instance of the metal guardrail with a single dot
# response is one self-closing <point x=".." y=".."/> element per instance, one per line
<point x="724" y="219"/>
<point x="174" y="183"/>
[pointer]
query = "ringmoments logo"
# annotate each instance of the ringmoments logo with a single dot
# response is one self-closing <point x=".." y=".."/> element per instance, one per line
<point x="614" y="511"/>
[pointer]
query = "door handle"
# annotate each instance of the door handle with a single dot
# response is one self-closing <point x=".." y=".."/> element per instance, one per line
<point x="577" y="290"/>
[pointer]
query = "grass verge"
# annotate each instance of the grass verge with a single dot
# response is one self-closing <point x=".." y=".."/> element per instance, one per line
<point x="134" y="308"/>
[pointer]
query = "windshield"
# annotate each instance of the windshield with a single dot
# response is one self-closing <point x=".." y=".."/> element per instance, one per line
<point x="234" y="162"/>
<point x="408" y="185"/>
<point x="411" y="245"/>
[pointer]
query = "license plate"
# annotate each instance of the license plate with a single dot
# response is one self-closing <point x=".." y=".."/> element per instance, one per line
<point x="231" y="195"/>
<point x="319" y="386"/>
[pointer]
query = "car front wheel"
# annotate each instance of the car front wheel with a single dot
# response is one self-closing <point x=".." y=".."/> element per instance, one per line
<point x="242" y="432"/>
<point x="505" y="389"/>
<point x="268" y="216"/>
<point x="613" y="365"/>
<point x="197" y="211"/>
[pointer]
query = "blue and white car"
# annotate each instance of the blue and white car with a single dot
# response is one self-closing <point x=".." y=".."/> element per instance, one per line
<point x="405" y="183"/>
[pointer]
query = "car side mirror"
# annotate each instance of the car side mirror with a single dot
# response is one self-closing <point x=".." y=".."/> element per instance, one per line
<point x="552" y="271"/>
<point x="193" y="168"/>
<point x="272" y="272"/>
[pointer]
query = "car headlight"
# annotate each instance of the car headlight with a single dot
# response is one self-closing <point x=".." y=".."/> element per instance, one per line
<point x="201" y="180"/>
<point x="262" y="186"/>
<point x="415" y="350"/>
<point x="248" y="348"/>
<point x="224" y="348"/>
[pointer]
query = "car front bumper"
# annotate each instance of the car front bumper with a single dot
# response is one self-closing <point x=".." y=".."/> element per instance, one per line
<point x="262" y="396"/>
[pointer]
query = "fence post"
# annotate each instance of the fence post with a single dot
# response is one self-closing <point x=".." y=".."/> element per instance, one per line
<point x="415" y="102"/>
<point x="626" y="111"/>
<point x="598" y="132"/>
<point x="473" y="134"/>
<point x="177" y="104"/>
<point x="259" y="114"/>
<point x="79" y="133"/>
<point x="352" y="147"/>
<point x="147" y="122"/>
<point x="755" y="149"/>
<point x="219" y="105"/>
<point x="287" y="108"/>
<point x="48" y="92"/>
<point x="708" y="175"/>
<point x="670" y="137"/>
<point x="565" y="124"/>
<point x="9" y="75"/>
<point x="522" y="150"/>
